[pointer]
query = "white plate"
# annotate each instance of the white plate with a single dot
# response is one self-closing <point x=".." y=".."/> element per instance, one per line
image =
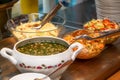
<point x="28" y="76"/>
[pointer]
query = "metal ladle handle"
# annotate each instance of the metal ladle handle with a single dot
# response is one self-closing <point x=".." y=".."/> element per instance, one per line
<point x="51" y="14"/>
<point x="64" y="64"/>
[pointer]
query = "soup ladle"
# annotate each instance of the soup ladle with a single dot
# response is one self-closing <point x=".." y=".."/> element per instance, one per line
<point x="63" y="65"/>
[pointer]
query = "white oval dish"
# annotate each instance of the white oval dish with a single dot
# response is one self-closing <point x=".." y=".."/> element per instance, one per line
<point x="28" y="76"/>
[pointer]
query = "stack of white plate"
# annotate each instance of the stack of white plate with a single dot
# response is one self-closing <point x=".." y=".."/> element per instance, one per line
<point x="108" y="9"/>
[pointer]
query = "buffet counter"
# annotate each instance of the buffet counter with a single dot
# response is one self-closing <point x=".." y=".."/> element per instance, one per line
<point x="105" y="66"/>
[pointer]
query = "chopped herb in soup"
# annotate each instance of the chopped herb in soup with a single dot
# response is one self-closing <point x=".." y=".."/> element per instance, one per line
<point x="43" y="48"/>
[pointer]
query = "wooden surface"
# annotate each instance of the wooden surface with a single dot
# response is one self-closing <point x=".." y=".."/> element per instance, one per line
<point x="115" y="76"/>
<point x="100" y="68"/>
<point x="5" y="12"/>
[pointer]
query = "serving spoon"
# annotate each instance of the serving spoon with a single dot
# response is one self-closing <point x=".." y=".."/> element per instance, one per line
<point x="63" y="65"/>
<point x="50" y="15"/>
<point x="103" y="34"/>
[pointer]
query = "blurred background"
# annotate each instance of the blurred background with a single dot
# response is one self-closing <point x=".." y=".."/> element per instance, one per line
<point x="13" y="8"/>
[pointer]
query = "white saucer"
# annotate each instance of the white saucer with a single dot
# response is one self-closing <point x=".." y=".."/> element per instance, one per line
<point x="28" y="76"/>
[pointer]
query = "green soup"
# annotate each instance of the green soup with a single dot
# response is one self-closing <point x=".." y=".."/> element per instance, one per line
<point x="43" y="48"/>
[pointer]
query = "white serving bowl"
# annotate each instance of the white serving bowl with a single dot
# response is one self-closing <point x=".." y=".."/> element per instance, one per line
<point x="44" y="64"/>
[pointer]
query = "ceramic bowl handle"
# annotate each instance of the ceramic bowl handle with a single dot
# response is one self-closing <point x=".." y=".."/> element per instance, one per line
<point x="76" y="52"/>
<point x="8" y="53"/>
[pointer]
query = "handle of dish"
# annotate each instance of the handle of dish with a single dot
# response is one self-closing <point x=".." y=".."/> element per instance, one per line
<point x="8" y="53"/>
<point x="76" y="52"/>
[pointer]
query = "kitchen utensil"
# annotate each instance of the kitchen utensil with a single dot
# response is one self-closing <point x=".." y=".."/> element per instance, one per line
<point x="102" y="34"/>
<point x="49" y="15"/>
<point x="63" y="65"/>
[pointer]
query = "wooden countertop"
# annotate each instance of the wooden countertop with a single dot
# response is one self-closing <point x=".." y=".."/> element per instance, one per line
<point x="115" y="76"/>
<point x="99" y="68"/>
